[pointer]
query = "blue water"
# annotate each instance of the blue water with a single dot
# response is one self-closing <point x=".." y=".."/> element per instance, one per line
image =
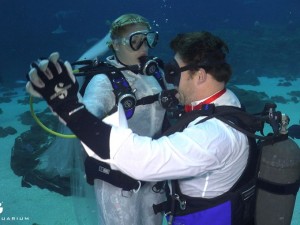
<point x="26" y="27"/>
<point x="263" y="38"/>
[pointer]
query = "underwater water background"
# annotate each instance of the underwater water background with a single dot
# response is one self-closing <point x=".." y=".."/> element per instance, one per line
<point x="263" y="37"/>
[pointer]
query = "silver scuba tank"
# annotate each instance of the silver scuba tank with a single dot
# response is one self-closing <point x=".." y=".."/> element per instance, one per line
<point x="278" y="180"/>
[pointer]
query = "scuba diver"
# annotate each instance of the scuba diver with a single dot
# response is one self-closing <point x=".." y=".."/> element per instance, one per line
<point x="135" y="80"/>
<point x="207" y="156"/>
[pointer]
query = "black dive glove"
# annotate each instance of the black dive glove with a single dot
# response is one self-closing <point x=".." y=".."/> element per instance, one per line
<point x="167" y="99"/>
<point x="54" y="81"/>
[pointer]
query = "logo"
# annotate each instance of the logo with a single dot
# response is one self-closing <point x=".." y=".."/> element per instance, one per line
<point x="60" y="91"/>
<point x="1" y="207"/>
<point x="104" y="170"/>
<point x="128" y="103"/>
<point x="10" y="218"/>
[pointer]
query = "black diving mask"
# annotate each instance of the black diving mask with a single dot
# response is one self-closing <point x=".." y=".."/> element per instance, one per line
<point x="137" y="39"/>
<point x="173" y="71"/>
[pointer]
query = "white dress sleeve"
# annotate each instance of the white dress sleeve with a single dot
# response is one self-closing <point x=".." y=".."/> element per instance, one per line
<point x="99" y="98"/>
<point x="183" y="154"/>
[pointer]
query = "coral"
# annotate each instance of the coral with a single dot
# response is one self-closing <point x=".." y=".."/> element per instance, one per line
<point x="7" y="131"/>
<point x="10" y="93"/>
<point x="253" y="101"/>
<point x="279" y="99"/>
<point x="27" y="150"/>
<point x="294" y="93"/>
<point x="5" y="99"/>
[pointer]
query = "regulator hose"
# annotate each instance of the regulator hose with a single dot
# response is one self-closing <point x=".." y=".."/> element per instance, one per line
<point x="37" y="120"/>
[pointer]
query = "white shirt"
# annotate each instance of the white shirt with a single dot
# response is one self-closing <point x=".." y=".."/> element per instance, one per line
<point x="206" y="158"/>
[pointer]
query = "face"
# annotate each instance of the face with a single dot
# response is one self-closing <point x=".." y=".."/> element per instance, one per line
<point x="187" y="84"/>
<point x="123" y="50"/>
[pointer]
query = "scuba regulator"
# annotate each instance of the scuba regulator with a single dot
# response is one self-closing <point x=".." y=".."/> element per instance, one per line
<point x="272" y="117"/>
<point x="149" y="65"/>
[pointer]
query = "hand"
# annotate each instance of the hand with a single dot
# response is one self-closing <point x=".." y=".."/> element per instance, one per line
<point x="54" y="81"/>
<point x="167" y="99"/>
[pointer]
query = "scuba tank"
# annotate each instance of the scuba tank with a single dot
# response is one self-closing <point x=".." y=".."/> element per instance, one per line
<point x="278" y="179"/>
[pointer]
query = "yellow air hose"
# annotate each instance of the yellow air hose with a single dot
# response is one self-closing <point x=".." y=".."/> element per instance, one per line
<point x="43" y="126"/>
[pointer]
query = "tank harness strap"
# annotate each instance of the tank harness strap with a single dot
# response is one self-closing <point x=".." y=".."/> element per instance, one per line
<point x="281" y="189"/>
<point x="99" y="170"/>
<point x="158" y="76"/>
<point x="147" y="100"/>
<point x="123" y="92"/>
<point x="153" y="98"/>
<point x="177" y="201"/>
<point x="276" y="188"/>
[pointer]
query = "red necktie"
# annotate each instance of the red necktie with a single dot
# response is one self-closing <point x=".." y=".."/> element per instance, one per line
<point x="189" y="108"/>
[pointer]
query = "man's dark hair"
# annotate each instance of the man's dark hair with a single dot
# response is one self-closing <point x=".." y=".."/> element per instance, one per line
<point x="203" y="50"/>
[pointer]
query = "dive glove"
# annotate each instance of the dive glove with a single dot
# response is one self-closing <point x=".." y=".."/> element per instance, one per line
<point x="54" y="81"/>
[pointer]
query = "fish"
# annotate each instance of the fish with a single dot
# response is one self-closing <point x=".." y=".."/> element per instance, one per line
<point x="294" y="131"/>
<point x="59" y="30"/>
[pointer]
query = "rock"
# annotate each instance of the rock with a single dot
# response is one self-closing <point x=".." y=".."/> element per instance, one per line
<point x="27" y="149"/>
<point x="7" y="131"/>
<point x="253" y="101"/>
<point x="10" y="130"/>
<point x="5" y="99"/>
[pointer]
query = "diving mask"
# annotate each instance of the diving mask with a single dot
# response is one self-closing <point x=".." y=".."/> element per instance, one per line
<point x="173" y="71"/>
<point x="137" y="39"/>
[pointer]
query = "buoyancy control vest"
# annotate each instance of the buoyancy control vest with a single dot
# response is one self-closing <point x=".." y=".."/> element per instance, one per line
<point x="122" y="90"/>
<point x="237" y="206"/>
<point x="125" y="95"/>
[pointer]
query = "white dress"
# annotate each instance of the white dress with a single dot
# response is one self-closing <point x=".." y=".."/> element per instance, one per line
<point x="116" y="206"/>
